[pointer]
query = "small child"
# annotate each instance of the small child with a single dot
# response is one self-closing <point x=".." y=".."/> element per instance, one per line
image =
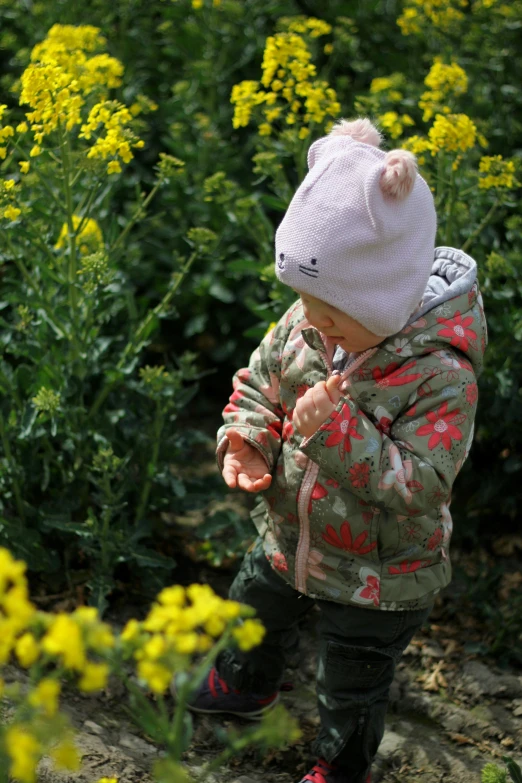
<point x="352" y="419"/>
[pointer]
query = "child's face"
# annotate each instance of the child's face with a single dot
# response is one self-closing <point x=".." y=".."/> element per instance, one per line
<point x="349" y="334"/>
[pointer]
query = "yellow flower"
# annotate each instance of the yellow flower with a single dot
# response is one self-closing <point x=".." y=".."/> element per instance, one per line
<point x="22" y="127"/>
<point x="90" y="235"/>
<point x="24" y="751"/>
<point x="27" y="650"/>
<point x="186" y="643"/>
<point x="155" y="675"/>
<point x="271" y="326"/>
<point x="11" y="213"/>
<point x="66" y="756"/>
<point x="500" y="173"/>
<point x="380" y="84"/>
<point x="131" y="631"/>
<point x="113" y="167"/>
<point x="46" y="695"/>
<point x="64" y="640"/>
<point x="24" y="166"/>
<point x="249" y="634"/>
<point x="265" y="129"/>
<point x="3" y="153"/>
<point x="452" y="133"/>
<point x="107" y="780"/>
<point x="35" y="151"/>
<point x="172" y="596"/>
<point x="95" y="676"/>
<point x="197" y="4"/>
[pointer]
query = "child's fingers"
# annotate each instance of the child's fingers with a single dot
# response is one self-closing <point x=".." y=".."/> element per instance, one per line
<point x="321" y="398"/>
<point x="332" y="387"/>
<point x="254" y="485"/>
<point x="235" y="440"/>
<point x="229" y="474"/>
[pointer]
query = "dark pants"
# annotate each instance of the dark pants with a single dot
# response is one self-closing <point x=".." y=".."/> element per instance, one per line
<point x="358" y="651"/>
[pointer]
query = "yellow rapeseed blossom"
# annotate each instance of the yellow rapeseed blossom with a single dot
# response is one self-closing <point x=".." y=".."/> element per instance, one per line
<point x="452" y="133"/>
<point x="11" y="213"/>
<point x="27" y="650"/>
<point x="24" y="166"/>
<point x="499" y="173"/>
<point x="46" y="695"/>
<point x="249" y="634"/>
<point x="90" y="236"/>
<point x="393" y="123"/>
<point x="291" y="90"/>
<point x="64" y="640"/>
<point x="65" y="70"/>
<point x="65" y="756"/>
<point x="444" y="81"/>
<point x="24" y="751"/>
<point x="94" y="678"/>
<point x="441" y="14"/>
<point x="46" y="400"/>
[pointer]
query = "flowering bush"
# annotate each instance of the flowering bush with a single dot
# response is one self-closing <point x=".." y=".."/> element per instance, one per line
<point x="85" y="422"/>
<point x="183" y="633"/>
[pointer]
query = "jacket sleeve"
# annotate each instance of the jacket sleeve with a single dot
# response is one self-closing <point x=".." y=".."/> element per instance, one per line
<point x="254" y="408"/>
<point x="407" y="466"/>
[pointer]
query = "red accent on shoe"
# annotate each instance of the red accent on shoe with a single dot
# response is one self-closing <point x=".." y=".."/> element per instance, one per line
<point x="268" y="699"/>
<point x="318" y="773"/>
<point x="212" y="683"/>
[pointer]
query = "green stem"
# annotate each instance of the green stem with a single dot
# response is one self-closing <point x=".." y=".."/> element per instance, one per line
<point x="136" y="216"/>
<point x="134" y="340"/>
<point x="481" y="226"/>
<point x="9" y="456"/>
<point x="159" y="419"/>
<point x="450" y="210"/>
<point x="175" y="746"/>
<point x="71" y="230"/>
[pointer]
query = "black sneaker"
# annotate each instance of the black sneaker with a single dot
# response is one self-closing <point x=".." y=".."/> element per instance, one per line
<point x="215" y="696"/>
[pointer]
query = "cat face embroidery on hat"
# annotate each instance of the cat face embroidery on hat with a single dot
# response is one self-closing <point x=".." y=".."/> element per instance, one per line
<point x="311" y="270"/>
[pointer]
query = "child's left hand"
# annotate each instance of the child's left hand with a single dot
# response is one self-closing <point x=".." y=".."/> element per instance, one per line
<point x="316" y="406"/>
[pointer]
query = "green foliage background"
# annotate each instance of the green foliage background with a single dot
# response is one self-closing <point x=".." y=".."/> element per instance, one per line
<point x="187" y="61"/>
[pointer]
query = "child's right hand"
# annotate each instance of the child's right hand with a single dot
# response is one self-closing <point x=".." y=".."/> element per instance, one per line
<point x="244" y="466"/>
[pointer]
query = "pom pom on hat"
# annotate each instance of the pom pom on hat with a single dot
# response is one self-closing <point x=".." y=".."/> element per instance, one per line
<point x="398" y="174"/>
<point x="360" y="130"/>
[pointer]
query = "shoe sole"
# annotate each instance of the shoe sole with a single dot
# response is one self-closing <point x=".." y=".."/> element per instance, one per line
<point x="249" y="715"/>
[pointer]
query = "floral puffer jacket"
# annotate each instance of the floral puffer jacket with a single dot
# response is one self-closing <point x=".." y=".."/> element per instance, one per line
<point x="359" y="512"/>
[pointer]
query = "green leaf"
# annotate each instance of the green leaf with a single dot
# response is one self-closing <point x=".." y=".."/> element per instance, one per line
<point x="219" y="291"/>
<point x="148" y="558"/>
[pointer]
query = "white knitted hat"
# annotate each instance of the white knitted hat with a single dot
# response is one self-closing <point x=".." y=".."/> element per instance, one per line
<point x="360" y="231"/>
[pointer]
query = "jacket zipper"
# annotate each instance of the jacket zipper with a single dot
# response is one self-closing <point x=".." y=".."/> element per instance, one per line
<point x="307" y="487"/>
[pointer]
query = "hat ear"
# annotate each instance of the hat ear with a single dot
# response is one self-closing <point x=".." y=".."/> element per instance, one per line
<point x="398" y="174"/>
<point x="360" y="130"/>
<point x="314" y="152"/>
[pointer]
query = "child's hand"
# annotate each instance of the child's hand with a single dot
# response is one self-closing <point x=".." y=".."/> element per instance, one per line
<point x="317" y="405"/>
<point x="244" y="466"/>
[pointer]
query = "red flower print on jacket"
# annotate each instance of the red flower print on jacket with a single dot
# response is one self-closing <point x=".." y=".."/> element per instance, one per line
<point x="472" y="393"/>
<point x="394" y="375"/>
<point x="457" y="328"/>
<point x="279" y="562"/>
<point x="370" y="591"/>
<point x="435" y="540"/>
<point x="318" y="492"/>
<point x="407" y="568"/>
<point x="343" y="427"/>
<point x="360" y="475"/>
<point x="443" y="426"/>
<point x="345" y="542"/>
